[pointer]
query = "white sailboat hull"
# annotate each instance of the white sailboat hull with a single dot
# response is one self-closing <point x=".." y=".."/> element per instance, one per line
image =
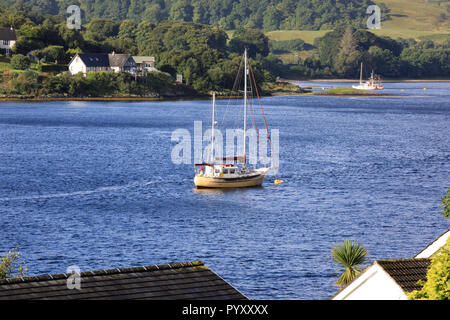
<point x="242" y="182"/>
<point x="251" y="178"/>
<point x="367" y="87"/>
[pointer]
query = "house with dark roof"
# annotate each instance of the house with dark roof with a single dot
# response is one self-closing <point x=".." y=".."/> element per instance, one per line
<point x="190" y="280"/>
<point x="97" y="62"/>
<point x="122" y="62"/>
<point x="7" y="39"/>
<point x="392" y="279"/>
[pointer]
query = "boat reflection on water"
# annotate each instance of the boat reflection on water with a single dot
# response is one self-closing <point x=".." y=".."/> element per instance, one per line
<point x="224" y="190"/>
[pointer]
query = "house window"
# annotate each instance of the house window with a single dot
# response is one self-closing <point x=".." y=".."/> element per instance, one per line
<point x="6" y="42"/>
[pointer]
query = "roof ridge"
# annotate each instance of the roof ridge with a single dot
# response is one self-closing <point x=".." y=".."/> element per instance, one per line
<point x="401" y="260"/>
<point x="57" y="276"/>
<point x="432" y="242"/>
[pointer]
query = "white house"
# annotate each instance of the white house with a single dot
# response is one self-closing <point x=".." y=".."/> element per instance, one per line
<point x="392" y="279"/>
<point x="96" y="62"/>
<point x="7" y="39"/>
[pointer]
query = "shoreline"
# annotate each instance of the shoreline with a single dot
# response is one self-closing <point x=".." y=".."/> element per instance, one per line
<point x="357" y="80"/>
<point x="43" y="99"/>
<point x="358" y="95"/>
<point x="127" y="98"/>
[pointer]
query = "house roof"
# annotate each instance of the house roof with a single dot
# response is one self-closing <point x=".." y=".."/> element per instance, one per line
<point x="7" y="34"/>
<point x="94" y="59"/>
<point x="406" y="272"/>
<point x="142" y="59"/>
<point x="118" y="59"/>
<point x="434" y="246"/>
<point x="189" y="280"/>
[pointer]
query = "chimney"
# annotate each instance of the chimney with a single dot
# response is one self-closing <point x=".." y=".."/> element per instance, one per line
<point x="113" y="53"/>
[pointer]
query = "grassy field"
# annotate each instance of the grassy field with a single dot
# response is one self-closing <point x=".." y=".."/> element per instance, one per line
<point x="4" y="63"/>
<point x="346" y="92"/>
<point x="306" y="35"/>
<point x="423" y="15"/>
<point x="417" y="19"/>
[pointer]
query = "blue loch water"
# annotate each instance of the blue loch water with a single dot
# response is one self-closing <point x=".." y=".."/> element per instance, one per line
<point x="92" y="184"/>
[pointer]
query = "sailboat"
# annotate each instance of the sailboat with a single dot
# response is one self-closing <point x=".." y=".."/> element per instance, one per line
<point x="230" y="175"/>
<point x="374" y="82"/>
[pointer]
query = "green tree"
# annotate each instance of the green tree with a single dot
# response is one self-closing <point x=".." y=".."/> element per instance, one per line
<point x="127" y="29"/>
<point x="348" y="57"/>
<point x="135" y="9"/>
<point x="20" y="62"/>
<point x="437" y="284"/>
<point x="153" y="13"/>
<point x="54" y="53"/>
<point x="10" y="267"/>
<point x="350" y="256"/>
<point x="181" y="11"/>
<point x="271" y="19"/>
<point x="26" y="83"/>
<point x="254" y="40"/>
<point x="99" y="29"/>
<point x="445" y="204"/>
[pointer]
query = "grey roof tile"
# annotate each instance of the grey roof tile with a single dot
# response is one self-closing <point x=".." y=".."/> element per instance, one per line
<point x="190" y="280"/>
<point x="406" y="272"/>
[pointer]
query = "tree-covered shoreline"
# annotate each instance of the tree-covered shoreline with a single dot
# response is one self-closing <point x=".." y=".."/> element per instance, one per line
<point x="208" y="57"/>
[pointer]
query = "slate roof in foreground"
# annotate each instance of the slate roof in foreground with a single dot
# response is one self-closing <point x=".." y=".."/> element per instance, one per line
<point x="190" y="280"/>
<point x="406" y="272"/>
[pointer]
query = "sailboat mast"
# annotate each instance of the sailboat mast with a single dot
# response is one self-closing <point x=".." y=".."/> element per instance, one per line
<point x="212" y="127"/>
<point x="245" y="106"/>
<point x="360" y="74"/>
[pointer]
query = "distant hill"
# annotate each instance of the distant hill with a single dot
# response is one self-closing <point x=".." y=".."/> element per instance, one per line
<point x="229" y="14"/>
<point x="280" y="19"/>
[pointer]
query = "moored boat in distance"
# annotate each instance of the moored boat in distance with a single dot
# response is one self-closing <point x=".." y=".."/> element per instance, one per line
<point x="374" y="82"/>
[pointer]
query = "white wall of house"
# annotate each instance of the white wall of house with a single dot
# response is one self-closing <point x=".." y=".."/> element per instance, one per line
<point x="373" y="284"/>
<point x="7" y="44"/>
<point x="76" y="66"/>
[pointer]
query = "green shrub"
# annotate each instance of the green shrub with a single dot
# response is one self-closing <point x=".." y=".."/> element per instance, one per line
<point x="437" y="285"/>
<point x="288" y="45"/>
<point x="10" y="265"/>
<point x="20" y="62"/>
<point x="52" y="68"/>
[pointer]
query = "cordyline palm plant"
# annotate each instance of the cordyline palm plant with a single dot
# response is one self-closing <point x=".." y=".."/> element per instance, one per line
<point x="350" y="256"/>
